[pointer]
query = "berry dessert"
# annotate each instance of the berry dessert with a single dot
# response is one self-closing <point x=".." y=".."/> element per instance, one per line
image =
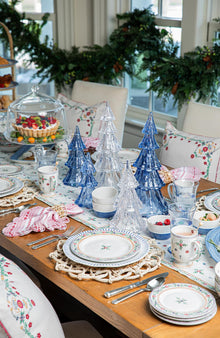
<point x="36" y="126"/>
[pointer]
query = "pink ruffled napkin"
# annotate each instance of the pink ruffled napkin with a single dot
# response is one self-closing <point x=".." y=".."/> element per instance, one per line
<point x="39" y="219"/>
<point x="91" y="142"/>
<point x="183" y="173"/>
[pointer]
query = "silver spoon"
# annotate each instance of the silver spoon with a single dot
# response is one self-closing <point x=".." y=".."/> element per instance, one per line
<point x="154" y="283"/>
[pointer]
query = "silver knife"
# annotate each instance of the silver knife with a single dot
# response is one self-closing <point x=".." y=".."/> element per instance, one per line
<point x="114" y="292"/>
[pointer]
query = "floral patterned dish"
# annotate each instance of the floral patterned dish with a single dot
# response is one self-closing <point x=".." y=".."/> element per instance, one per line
<point x="6" y="184"/>
<point x="182" y="301"/>
<point x="10" y="169"/>
<point x="211" y="202"/>
<point x="18" y="186"/>
<point x="144" y="249"/>
<point x="105" y="246"/>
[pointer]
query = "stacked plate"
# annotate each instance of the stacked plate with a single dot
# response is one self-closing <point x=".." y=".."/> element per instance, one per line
<point x="212" y="202"/>
<point x="183" y="304"/>
<point x="9" y="185"/>
<point x="10" y="169"/>
<point x="106" y="247"/>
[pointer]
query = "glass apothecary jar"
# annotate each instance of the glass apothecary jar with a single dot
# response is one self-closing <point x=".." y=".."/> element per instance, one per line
<point x="36" y="118"/>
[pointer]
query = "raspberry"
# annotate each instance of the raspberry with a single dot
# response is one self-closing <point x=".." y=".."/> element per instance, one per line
<point x="159" y="223"/>
<point x="167" y="221"/>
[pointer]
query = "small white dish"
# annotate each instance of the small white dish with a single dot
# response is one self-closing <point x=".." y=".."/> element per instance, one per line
<point x="205" y="226"/>
<point x="160" y="232"/>
<point x="104" y="195"/>
<point x="103" y="207"/>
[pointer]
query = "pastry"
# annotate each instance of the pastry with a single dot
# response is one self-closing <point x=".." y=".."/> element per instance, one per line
<point x="36" y="126"/>
<point x="5" y="101"/>
<point x="3" y="61"/>
<point x="5" y="80"/>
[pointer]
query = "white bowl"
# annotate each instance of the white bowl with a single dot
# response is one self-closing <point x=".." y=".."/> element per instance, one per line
<point x="160" y="232"/>
<point x="217" y="287"/>
<point x="217" y="272"/>
<point x="205" y="226"/>
<point x="103" y="207"/>
<point x="104" y="195"/>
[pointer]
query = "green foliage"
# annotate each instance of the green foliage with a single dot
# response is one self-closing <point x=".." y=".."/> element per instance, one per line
<point x="135" y="46"/>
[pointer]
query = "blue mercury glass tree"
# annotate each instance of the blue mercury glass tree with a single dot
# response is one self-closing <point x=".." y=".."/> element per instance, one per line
<point x="128" y="204"/>
<point x="150" y="183"/>
<point x="75" y="160"/>
<point x="88" y="184"/>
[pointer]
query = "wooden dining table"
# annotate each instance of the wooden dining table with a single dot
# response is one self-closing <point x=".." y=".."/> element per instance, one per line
<point x="132" y="317"/>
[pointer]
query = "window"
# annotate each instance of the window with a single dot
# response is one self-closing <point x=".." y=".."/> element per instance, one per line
<point x="25" y="75"/>
<point x="168" y="15"/>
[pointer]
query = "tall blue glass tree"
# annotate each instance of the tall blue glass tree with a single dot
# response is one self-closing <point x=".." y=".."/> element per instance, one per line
<point x="150" y="183"/>
<point x="75" y="160"/>
<point x="88" y="184"/>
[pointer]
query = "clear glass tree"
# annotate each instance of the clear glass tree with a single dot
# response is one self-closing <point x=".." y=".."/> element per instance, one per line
<point x="108" y="165"/>
<point x="128" y="204"/>
<point x="150" y="183"/>
<point x="75" y="160"/>
<point x="88" y="184"/>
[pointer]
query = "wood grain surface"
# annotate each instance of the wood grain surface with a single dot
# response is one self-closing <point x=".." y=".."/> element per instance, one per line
<point x="133" y="316"/>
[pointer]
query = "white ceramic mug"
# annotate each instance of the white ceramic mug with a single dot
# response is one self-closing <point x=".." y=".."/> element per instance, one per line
<point x="183" y="192"/>
<point x="185" y="247"/>
<point x="47" y="178"/>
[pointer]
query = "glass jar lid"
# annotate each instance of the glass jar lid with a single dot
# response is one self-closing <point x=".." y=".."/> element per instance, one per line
<point x="35" y="102"/>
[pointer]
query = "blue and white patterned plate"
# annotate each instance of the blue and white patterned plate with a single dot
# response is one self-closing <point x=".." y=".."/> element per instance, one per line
<point x="180" y="301"/>
<point x="214" y="235"/>
<point x="144" y="249"/>
<point x="108" y="245"/>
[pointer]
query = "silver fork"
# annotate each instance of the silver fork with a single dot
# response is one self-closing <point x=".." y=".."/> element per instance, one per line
<point x="66" y="234"/>
<point x="4" y="212"/>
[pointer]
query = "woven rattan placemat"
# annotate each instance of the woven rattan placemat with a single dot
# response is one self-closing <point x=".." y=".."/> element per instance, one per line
<point x="149" y="263"/>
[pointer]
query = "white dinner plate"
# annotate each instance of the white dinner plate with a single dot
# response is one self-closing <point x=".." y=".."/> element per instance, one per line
<point x="18" y="186"/>
<point x="144" y="249"/>
<point x="10" y="169"/>
<point x="110" y="246"/>
<point x="6" y="184"/>
<point x="182" y="301"/>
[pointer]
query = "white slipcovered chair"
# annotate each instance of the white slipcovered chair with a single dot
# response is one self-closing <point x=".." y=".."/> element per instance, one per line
<point x="202" y="119"/>
<point x="92" y="93"/>
<point x="195" y="142"/>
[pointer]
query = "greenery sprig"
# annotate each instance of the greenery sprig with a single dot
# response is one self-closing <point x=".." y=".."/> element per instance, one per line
<point x="135" y="46"/>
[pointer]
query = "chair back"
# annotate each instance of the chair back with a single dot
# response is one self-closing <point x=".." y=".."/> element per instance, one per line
<point x="202" y="119"/>
<point x="91" y="93"/>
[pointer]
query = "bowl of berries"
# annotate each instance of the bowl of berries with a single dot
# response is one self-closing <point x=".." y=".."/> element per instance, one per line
<point x="205" y="221"/>
<point x="159" y="226"/>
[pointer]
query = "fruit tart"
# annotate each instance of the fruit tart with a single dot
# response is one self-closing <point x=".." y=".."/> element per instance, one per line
<point x="36" y="126"/>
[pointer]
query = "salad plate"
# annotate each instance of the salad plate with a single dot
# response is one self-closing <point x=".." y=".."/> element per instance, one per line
<point x="6" y="184"/>
<point x="144" y="248"/>
<point x="10" y="169"/>
<point x="212" y="202"/>
<point x="214" y="236"/>
<point x="17" y="187"/>
<point x="108" y="246"/>
<point x="180" y="301"/>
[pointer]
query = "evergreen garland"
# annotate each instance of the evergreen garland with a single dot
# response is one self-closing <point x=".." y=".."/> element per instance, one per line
<point x="196" y="74"/>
